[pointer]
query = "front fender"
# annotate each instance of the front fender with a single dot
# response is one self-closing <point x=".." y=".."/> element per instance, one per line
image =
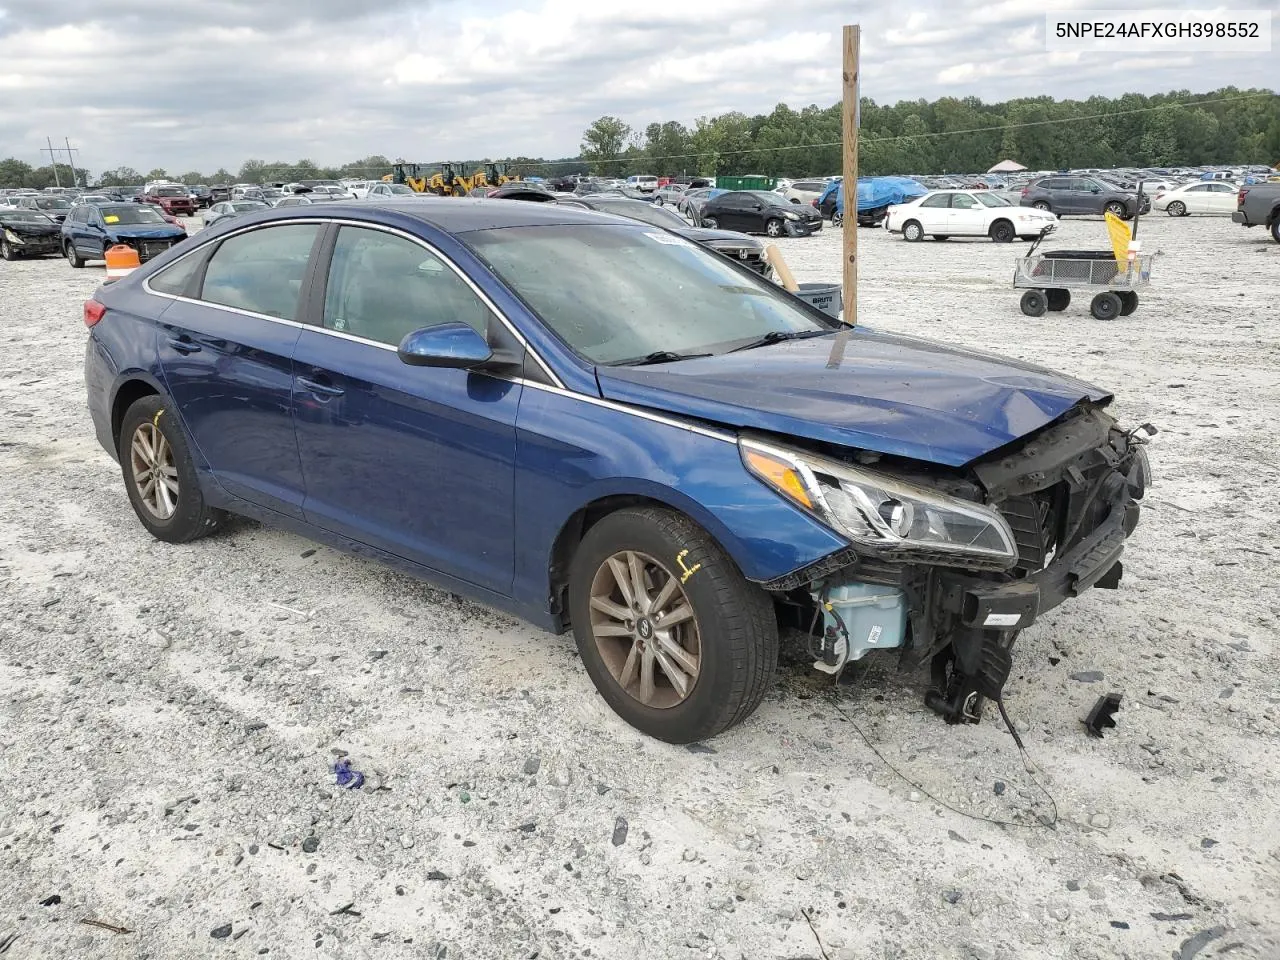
<point x="574" y="451"/>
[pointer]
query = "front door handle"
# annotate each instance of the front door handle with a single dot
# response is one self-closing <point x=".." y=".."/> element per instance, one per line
<point x="320" y="389"/>
<point x="184" y="345"/>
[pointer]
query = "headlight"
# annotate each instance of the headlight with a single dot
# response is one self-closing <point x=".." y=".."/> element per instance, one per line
<point x="791" y="216"/>
<point x="881" y="512"/>
<point x="12" y="237"/>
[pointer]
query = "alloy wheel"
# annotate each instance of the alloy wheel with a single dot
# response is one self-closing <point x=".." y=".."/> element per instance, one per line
<point x="155" y="474"/>
<point x="645" y="629"/>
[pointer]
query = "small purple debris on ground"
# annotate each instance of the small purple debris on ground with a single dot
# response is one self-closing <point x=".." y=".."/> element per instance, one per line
<point x="351" y="779"/>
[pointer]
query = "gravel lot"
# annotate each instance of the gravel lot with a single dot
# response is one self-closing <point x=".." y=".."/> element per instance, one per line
<point x="169" y="716"/>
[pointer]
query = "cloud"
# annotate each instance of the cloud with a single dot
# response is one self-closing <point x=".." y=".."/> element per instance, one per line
<point x="207" y="83"/>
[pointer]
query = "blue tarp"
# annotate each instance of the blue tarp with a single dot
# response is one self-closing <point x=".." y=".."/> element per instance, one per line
<point x="876" y="192"/>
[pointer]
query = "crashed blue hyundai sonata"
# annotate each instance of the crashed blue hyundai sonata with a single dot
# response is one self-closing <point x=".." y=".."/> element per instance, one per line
<point x="602" y="427"/>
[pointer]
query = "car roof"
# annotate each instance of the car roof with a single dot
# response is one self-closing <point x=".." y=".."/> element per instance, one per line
<point x="464" y="214"/>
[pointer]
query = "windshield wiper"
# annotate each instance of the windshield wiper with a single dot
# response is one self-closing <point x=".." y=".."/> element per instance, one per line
<point x="778" y="336"/>
<point x="658" y="356"/>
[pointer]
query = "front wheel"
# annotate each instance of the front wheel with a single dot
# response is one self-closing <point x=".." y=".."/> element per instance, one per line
<point x="160" y="475"/>
<point x="773" y="228"/>
<point x="711" y="223"/>
<point x="1176" y="209"/>
<point x="1275" y="229"/>
<point x="912" y="231"/>
<point x="7" y="251"/>
<point x="837" y="219"/>
<point x="73" y="255"/>
<point x="1033" y="303"/>
<point x="674" y="638"/>
<point x="1002" y="231"/>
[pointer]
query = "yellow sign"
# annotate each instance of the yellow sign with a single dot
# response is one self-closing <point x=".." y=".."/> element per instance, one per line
<point x="111" y="219"/>
<point x="1120" y="237"/>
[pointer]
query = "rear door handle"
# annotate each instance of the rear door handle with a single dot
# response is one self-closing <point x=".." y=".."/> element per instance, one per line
<point x="320" y="389"/>
<point x="184" y="345"/>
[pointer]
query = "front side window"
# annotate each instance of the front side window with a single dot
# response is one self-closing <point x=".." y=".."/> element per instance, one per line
<point x="261" y="271"/>
<point x="991" y="200"/>
<point x="963" y="201"/>
<point x="617" y="294"/>
<point x="382" y="287"/>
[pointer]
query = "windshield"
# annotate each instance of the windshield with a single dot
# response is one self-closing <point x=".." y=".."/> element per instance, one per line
<point x="53" y="203"/>
<point x="129" y="214"/>
<point x="399" y="189"/>
<point x="644" y="212"/>
<point x="618" y="293"/>
<point x="991" y="200"/>
<point x="23" y="216"/>
<point x="774" y="199"/>
<point x="169" y="192"/>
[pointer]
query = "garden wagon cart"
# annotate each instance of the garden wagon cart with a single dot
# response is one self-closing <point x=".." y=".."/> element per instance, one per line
<point x="1049" y="278"/>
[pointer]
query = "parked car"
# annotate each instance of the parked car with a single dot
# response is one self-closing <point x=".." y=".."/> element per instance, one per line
<point x="54" y="207"/>
<point x="97" y="198"/>
<point x="521" y="190"/>
<point x="804" y="191"/>
<point x="228" y="209"/>
<point x="942" y="214"/>
<point x="1259" y="205"/>
<point x="669" y="193"/>
<point x="384" y="191"/>
<point x="172" y="198"/>
<point x="360" y="189"/>
<point x="693" y="201"/>
<point x="247" y="191"/>
<point x="643" y="182"/>
<point x="760" y="211"/>
<point x="1082" y="196"/>
<point x="90" y="229"/>
<point x="738" y="247"/>
<point x="218" y="193"/>
<point x="202" y="195"/>
<point x="322" y="192"/>
<point x="1214" y="197"/>
<point x="575" y="419"/>
<point x="293" y="200"/>
<point x="27" y="233"/>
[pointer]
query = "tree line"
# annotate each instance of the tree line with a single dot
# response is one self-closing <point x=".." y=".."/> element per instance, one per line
<point x="948" y="135"/>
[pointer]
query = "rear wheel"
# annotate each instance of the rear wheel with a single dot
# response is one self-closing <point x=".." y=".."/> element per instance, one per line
<point x="676" y="640"/>
<point x="711" y="223"/>
<point x="1106" y="306"/>
<point x="1176" y="209"/>
<point x="1116" y="208"/>
<point x="1041" y="205"/>
<point x="912" y="231"/>
<point x="73" y="257"/>
<point x="837" y="219"/>
<point x="1128" y="302"/>
<point x="773" y="228"/>
<point x="160" y="476"/>
<point x="1275" y="229"/>
<point x="1002" y="231"/>
<point x="1058" y="300"/>
<point x="1034" y="303"/>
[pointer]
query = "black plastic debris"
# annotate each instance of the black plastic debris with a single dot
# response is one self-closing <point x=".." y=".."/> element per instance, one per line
<point x="51" y="901"/>
<point x="1193" y="945"/>
<point x="1103" y="714"/>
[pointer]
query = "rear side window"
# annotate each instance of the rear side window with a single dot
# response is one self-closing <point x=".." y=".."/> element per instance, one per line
<point x="261" y="271"/>
<point x="176" y="278"/>
<point x="382" y="287"/>
<point x="937" y="200"/>
<point x="1053" y="184"/>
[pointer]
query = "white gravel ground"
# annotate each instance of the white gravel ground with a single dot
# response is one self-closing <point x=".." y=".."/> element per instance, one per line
<point x="169" y="716"/>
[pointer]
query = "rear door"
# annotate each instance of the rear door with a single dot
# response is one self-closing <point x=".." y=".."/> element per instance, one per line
<point x="416" y="461"/>
<point x="226" y="349"/>
<point x="933" y="213"/>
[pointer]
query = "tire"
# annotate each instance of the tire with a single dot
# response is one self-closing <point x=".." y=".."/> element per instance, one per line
<point x="1106" y="306"/>
<point x="1128" y="302"/>
<point x="1042" y="205"/>
<point x="1117" y="208"/>
<point x="7" y="251"/>
<point x="1034" y="303"/>
<point x="657" y="201"/>
<point x="1058" y="300"/>
<point x="837" y="219"/>
<point x="912" y="232"/>
<point x="73" y="257"/>
<point x="773" y="227"/>
<point x="1002" y="231"/>
<point x="1176" y="209"/>
<point x="1275" y="229"/>
<point x="147" y="422"/>
<point x="711" y="223"/>
<point x="735" y="629"/>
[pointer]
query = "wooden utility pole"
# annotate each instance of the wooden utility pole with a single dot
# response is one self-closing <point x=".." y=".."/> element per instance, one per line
<point x="849" y="118"/>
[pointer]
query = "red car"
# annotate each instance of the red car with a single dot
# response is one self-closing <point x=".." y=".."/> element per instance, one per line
<point x="172" y="198"/>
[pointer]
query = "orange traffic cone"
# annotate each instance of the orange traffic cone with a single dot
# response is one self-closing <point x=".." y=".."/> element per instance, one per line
<point x="121" y="261"/>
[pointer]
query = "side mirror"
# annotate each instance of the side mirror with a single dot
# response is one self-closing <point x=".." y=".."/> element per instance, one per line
<point x="1094" y="190"/>
<point x="454" y="345"/>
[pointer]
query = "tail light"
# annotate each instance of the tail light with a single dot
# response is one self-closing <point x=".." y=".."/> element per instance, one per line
<point x="1025" y="191"/>
<point x="93" y="312"/>
<point x="813" y="203"/>
<point x="1240" y="196"/>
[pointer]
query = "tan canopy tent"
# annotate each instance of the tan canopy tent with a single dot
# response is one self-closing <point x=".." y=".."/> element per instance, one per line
<point x="1007" y="166"/>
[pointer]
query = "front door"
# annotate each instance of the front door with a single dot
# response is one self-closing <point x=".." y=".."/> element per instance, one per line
<point x="228" y="361"/>
<point x="416" y="461"/>
<point x="966" y="217"/>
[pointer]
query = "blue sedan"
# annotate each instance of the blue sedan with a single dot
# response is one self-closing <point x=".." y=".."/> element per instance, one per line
<point x="600" y="426"/>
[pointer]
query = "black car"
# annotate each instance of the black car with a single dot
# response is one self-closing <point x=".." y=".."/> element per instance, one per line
<point x="761" y="211"/>
<point x="54" y="207"/>
<point x="736" y="246"/>
<point x="27" y="233"/>
<point x="202" y="194"/>
<point x="1082" y="196"/>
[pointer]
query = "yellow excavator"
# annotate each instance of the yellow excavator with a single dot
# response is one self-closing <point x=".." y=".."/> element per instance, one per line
<point x="448" y="182"/>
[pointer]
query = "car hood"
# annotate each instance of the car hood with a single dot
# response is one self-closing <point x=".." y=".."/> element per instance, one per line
<point x="26" y="229"/>
<point x="890" y="394"/>
<point x="719" y="237"/>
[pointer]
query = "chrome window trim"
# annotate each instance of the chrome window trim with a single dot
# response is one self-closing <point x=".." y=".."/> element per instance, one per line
<point x="634" y="411"/>
<point x="395" y="231"/>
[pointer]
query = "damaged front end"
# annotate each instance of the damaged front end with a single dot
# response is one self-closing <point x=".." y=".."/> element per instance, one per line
<point x="948" y="565"/>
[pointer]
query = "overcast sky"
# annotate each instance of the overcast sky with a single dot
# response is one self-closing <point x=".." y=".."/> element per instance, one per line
<point x="184" y="84"/>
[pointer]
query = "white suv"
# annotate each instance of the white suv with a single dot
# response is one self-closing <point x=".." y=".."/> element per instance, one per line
<point x="643" y="182"/>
